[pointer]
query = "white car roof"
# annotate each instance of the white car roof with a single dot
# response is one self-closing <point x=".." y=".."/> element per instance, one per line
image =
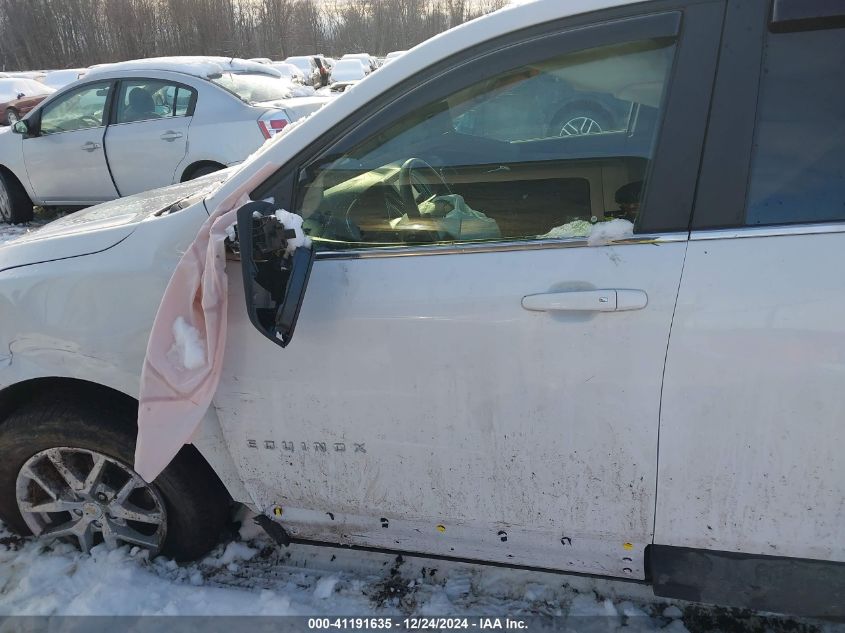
<point x="513" y="17"/>
<point x="202" y="67"/>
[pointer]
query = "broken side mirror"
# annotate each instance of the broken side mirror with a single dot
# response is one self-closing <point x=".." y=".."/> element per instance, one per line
<point x="20" y="127"/>
<point x="274" y="280"/>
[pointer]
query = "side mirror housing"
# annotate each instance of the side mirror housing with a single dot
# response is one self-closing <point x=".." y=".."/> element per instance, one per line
<point x="274" y="283"/>
<point x="20" y="127"/>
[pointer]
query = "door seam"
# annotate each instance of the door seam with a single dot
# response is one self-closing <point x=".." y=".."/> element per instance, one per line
<point x="662" y="385"/>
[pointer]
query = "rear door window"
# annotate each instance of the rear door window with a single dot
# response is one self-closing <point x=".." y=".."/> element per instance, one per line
<point x="798" y="160"/>
<point x="148" y="99"/>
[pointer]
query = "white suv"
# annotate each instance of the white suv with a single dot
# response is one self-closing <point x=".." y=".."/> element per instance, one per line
<point x="134" y="126"/>
<point x="486" y="365"/>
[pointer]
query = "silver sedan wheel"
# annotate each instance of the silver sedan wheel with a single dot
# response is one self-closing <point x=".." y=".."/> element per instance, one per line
<point x="90" y="498"/>
<point x="5" y="203"/>
<point x="579" y="126"/>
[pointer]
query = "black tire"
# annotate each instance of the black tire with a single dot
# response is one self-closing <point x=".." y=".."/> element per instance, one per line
<point x="202" y="170"/>
<point x="197" y="505"/>
<point x="580" y="111"/>
<point x="15" y="205"/>
<point x="11" y="116"/>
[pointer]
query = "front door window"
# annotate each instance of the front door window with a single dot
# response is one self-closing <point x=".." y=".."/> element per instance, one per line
<point x="542" y="151"/>
<point x="81" y="109"/>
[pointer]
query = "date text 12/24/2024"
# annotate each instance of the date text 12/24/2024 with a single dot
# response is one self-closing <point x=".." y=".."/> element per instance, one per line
<point x="418" y="623"/>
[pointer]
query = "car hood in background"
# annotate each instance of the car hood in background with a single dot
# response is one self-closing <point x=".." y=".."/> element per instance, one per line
<point x="100" y="227"/>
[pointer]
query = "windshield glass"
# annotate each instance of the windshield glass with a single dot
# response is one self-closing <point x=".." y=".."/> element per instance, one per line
<point x="254" y="88"/>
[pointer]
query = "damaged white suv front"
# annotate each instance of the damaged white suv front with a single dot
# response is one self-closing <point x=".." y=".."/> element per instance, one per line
<point x="514" y="340"/>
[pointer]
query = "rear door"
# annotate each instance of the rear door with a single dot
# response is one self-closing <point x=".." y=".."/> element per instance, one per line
<point x="752" y="435"/>
<point x="65" y="161"/>
<point x="148" y="139"/>
<point x="471" y="379"/>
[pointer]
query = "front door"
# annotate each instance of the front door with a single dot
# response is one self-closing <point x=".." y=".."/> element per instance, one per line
<point x="471" y="375"/>
<point x="148" y="140"/>
<point x="65" y="161"/>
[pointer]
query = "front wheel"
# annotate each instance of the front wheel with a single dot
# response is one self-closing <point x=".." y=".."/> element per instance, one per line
<point x="66" y="473"/>
<point x="12" y="116"/>
<point x="15" y="205"/>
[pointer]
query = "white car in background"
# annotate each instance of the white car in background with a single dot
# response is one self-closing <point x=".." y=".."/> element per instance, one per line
<point x="133" y="126"/>
<point x="58" y="79"/>
<point x="368" y="60"/>
<point x="346" y="73"/>
<point x="290" y="72"/>
<point x="309" y="69"/>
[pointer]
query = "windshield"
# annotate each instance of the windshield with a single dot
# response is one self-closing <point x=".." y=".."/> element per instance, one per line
<point x="254" y="88"/>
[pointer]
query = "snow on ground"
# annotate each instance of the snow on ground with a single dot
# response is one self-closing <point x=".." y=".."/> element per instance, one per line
<point x="11" y="231"/>
<point x="251" y="576"/>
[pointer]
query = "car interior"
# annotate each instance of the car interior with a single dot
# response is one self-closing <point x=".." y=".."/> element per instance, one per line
<point x="431" y="178"/>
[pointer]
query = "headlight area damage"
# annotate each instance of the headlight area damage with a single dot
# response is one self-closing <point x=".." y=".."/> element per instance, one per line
<point x="185" y="351"/>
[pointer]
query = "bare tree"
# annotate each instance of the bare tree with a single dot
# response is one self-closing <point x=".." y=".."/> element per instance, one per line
<point x="38" y="34"/>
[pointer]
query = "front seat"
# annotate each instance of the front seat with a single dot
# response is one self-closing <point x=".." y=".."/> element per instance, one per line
<point x="141" y="106"/>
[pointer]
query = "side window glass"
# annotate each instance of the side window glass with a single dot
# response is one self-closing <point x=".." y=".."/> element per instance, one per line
<point x="80" y="109"/>
<point x="537" y="152"/>
<point x="798" y="161"/>
<point x="146" y="99"/>
<point x="183" y="101"/>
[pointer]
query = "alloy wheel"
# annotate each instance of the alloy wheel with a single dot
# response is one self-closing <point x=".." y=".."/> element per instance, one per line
<point x="580" y="126"/>
<point x="89" y="498"/>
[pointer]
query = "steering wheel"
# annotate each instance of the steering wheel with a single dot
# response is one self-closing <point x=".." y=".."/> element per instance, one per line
<point x="409" y="180"/>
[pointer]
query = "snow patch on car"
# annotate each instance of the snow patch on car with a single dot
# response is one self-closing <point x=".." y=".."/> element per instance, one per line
<point x="188" y="351"/>
<point x="599" y="234"/>
<point x="198" y="66"/>
<point x="293" y="222"/>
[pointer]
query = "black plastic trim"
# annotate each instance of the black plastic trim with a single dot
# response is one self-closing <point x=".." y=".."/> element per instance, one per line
<point x="795" y="586"/>
<point x="674" y="169"/>
<point x="723" y="184"/>
<point x="807" y="15"/>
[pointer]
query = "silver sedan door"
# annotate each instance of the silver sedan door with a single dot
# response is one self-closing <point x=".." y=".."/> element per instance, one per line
<point x="65" y="159"/>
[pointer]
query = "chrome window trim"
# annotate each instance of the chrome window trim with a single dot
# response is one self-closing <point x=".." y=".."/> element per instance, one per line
<point x="768" y="231"/>
<point x="490" y="247"/>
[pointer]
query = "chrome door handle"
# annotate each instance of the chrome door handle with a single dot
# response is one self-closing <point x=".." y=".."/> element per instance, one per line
<point x="170" y="135"/>
<point x="610" y="300"/>
<point x="90" y="146"/>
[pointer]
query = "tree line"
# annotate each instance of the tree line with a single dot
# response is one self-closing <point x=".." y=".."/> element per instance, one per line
<point x="48" y="34"/>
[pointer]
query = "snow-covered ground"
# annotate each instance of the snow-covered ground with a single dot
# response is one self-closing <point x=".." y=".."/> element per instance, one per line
<point x="249" y="575"/>
<point x="11" y="231"/>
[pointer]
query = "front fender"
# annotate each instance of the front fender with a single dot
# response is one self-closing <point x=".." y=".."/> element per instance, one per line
<point x="89" y="317"/>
